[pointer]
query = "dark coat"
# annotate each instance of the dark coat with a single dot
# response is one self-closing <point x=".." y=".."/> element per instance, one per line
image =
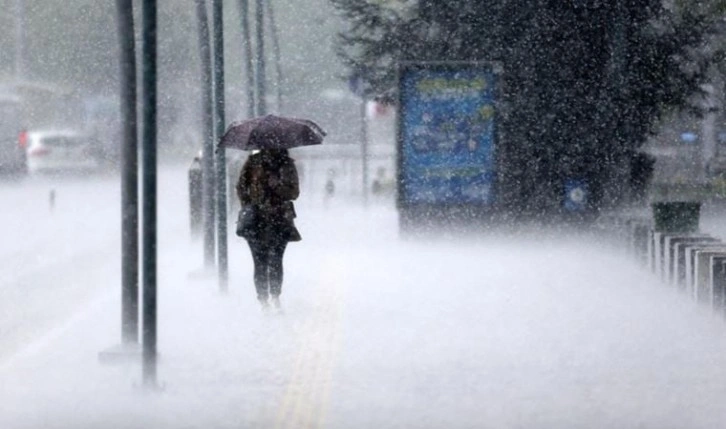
<point x="270" y="183"/>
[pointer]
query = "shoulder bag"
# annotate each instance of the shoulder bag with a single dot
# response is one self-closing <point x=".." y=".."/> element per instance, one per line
<point x="246" y="220"/>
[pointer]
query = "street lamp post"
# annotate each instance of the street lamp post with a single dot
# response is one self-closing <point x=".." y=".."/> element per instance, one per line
<point x="219" y="125"/>
<point x="278" y="59"/>
<point x="149" y="134"/>
<point x="129" y="177"/>
<point x="19" y="39"/>
<point x="244" y="11"/>
<point x="208" y="133"/>
<point x="364" y="149"/>
<point x="260" y="57"/>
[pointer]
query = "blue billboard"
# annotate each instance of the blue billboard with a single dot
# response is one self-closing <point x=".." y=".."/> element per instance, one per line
<point x="447" y="134"/>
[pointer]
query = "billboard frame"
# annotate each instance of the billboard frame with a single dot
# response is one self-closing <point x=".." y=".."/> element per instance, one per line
<point x="411" y="213"/>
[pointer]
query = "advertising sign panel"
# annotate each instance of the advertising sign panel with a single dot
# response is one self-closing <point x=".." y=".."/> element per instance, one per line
<point x="446" y="134"/>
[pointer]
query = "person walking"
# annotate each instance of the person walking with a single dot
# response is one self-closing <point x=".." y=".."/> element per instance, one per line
<point x="269" y="183"/>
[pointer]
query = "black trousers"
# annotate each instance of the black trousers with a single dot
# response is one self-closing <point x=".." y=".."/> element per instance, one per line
<point x="267" y="257"/>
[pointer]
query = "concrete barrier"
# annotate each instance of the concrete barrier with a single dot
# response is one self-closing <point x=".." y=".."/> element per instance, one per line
<point x="658" y="255"/>
<point x="718" y="283"/>
<point x="672" y="248"/>
<point x="702" y="287"/>
<point x="650" y="256"/>
<point x="675" y="255"/>
<point x="662" y="249"/>
<point x="690" y="262"/>
<point x="635" y="234"/>
<point x="669" y="261"/>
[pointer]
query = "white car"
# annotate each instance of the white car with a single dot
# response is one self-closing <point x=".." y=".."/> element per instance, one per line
<point x="60" y="151"/>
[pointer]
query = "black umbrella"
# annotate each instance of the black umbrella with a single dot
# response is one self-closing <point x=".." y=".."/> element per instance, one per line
<point x="271" y="132"/>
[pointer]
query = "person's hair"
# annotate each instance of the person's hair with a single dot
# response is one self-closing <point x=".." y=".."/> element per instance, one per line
<point x="276" y="151"/>
<point x="275" y="154"/>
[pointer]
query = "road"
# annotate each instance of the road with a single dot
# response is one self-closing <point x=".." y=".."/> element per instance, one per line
<point x="61" y="248"/>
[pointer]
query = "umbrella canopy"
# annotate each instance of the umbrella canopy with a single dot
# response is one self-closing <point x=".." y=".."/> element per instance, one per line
<point x="271" y="132"/>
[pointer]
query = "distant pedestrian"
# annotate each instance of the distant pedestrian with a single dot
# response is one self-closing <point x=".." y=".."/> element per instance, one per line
<point x="329" y="187"/>
<point x="269" y="183"/>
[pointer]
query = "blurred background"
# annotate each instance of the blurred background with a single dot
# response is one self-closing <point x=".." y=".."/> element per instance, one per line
<point x="72" y="52"/>
<point x="59" y="69"/>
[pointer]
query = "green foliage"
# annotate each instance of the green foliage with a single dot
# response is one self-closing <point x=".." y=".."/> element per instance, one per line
<point x="584" y="82"/>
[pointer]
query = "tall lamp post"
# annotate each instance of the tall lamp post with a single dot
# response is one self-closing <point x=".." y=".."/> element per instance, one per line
<point x="364" y="148"/>
<point x="129" y="178"/>
<point x="129" y="347"/>
<point x="244" y="11"/>
<point x="219" y="125"/>
<point x="356" y="84"/>
<point x="149" y="134"/>
<point x="19" y="39"/>
<point x="260" y="57"/>
<point x="276" y="49"/>
<point x="205" y="55"/>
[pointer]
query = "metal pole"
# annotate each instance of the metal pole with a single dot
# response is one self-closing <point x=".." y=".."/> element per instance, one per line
<point x="276" y="50"/>
<point x="208" y="130"/>
<point x="260" y="57"/>
<point x="19" y="39"/>
<point x="618" y="82"/>
<point x="244" y="9"/>
<point x="364" y="149"/>
<point x="222" y="264"/>
<point x="129" y="177"/>
<point x="148" y="38"/>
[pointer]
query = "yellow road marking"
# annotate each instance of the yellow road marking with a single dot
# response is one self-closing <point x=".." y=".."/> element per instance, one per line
<point x="328" y="380"/>
<point x="306" y="400"/>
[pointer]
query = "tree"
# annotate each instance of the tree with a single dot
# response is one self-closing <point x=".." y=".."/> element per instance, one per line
<point x="584" y="82"/>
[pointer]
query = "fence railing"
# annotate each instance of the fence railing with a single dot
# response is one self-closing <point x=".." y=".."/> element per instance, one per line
<point x="674" y="251"/>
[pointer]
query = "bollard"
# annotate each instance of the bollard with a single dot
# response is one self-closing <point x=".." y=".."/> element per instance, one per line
<point x="657" y="257"/>
<point x="650" y="253"/>
<point x="640" y="242"/>
<point x="195" y="197"/>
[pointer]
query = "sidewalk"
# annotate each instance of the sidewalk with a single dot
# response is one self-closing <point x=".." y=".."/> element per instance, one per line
<point x="223" y="363"/>
<point x="382" y="333"/>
